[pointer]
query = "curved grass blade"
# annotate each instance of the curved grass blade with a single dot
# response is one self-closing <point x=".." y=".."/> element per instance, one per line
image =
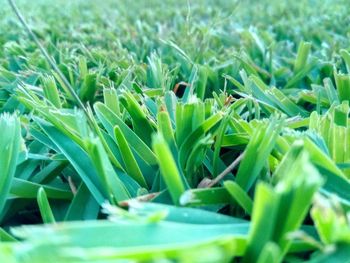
<point x="109" y="120"/>
<point x="186" y="215"/>
<point x="111" y="182"/>
<point x="205" y="197"/>
<point x="239" y="195"/>
<point x="257" y="152"/>
<point x="26" y="189"/>
<point x="44" y="207"/>
<point x="6" y="237"/>
<point x="78" y="158"/>
<point x="192" y="138"/>
<point x="168" y="168"/>
<point x="83" y="206"/>
<point x="9" y="149"/>
<point x="130" y="163"/>
<point x="141" y="123"/>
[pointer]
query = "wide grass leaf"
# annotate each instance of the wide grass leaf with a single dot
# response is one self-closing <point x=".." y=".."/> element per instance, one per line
<point x="9" y="147"/>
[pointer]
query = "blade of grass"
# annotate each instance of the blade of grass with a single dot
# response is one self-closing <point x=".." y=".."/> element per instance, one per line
<point x="9" y="148"/>
<point x="168" y="168"/>
<point x="44" y="207"/>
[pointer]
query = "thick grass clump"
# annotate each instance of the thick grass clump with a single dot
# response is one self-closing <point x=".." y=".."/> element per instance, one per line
<point x="174" y="131"/>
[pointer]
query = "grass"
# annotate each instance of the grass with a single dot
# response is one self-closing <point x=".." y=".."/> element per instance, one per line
<point x="175" y="131"/>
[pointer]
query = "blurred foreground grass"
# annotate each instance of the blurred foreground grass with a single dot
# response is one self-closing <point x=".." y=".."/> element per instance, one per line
<point x="209" y="131"/>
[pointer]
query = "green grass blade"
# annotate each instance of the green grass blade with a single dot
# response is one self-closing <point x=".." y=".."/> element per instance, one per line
<point x="131" y="166"/>
<point x="239" y="195"/>
<point x="168" y="168"/>
<point x="110" y="120"/>
<point x="9" y="148"/>
<point x="44" y="207"/>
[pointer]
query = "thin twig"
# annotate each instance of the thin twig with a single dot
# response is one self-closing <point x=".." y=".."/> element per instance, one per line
<point x="72" y="186"/>
<point x="226" y="171"/>
<point x="49" y="59"/>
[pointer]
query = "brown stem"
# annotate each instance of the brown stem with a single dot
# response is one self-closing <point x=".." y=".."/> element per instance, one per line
<point x="226" y="171"/>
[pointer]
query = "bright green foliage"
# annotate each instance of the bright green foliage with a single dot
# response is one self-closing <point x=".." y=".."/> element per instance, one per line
<point x="9" y="147"/>
<point x="334" y="128"/>
<point x="175" y="131"/>
<point x="44" y="206"/>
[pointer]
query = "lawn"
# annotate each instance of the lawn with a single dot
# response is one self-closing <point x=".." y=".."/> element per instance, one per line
<point x="174" y="131"/>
